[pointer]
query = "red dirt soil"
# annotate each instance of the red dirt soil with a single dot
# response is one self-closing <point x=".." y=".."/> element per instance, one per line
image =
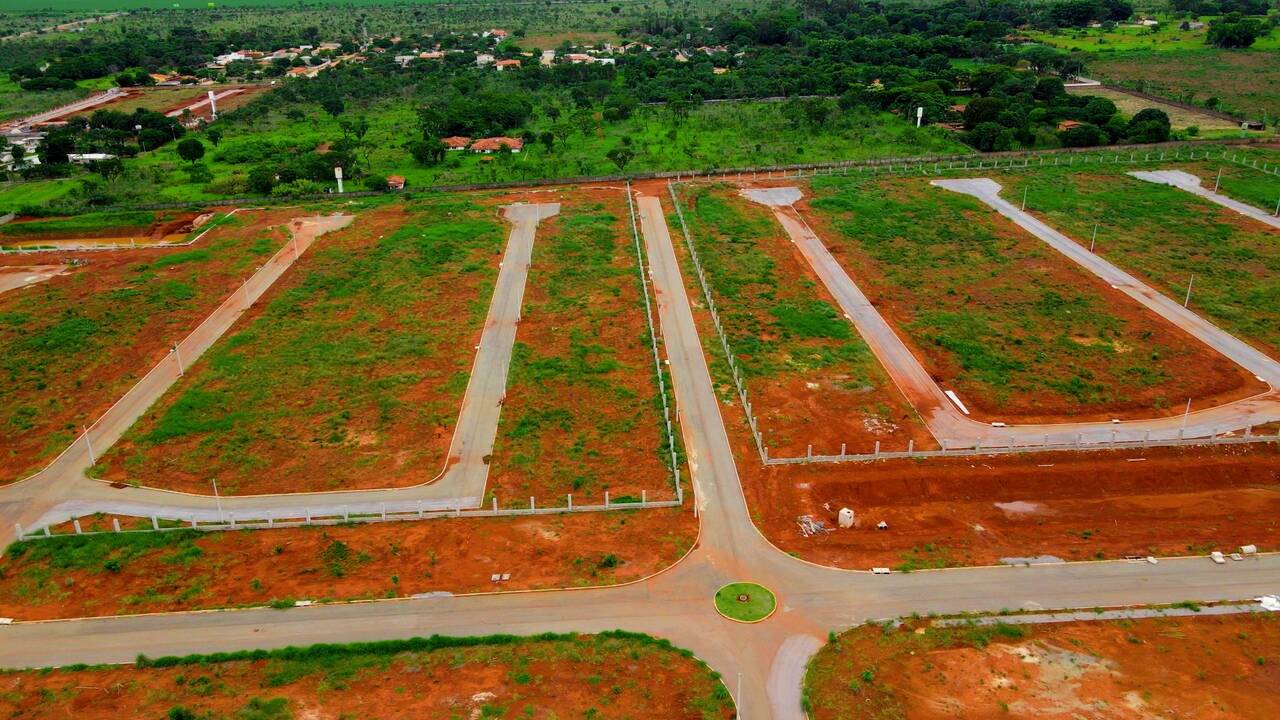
<point x="72" y="399"/>
<point x="791" y="411"/>
<point x="1165" y="667"/>
<point x="1194" y="370"/>
<point x="167" y="225"/>
<point x="975" y="511"/>
<point x="394" y="559"/>
<point x="590" y="434"/>
<point x="404" y="451"/>
<point x="615" y="678"/>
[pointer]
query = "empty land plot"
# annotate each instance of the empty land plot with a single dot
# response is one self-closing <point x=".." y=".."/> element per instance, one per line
<point x="582" y="413"/>
<point x="349" y="374"/>
<point x="612" y="675"/>
<point x="1016" y="329"/>
<point x="92" y="228"/>
<point x="1206" y="666"/>
<point x="1245" y="81"/>
<point x="113" y="574"/>
<point x="1074" y="506"/>
<point x="1165" y="235"/>
<point x="1179" y="117"/>
<point x="810" y="378"/>
<point x="72" y="345"/>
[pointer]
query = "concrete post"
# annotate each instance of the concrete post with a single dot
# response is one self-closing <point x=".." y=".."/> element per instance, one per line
<point x="193" y="521"/>
<point x="644" y="498"/>
<point x="75" y="522"/>
<point x="232" y="518"/>
<point x="1079" y="439"/>
<point x="606" y="499"/>
<point x="17" y="528"/>
<point x="155" y="523"/>
<point x="532" y="507"/>
<point x="808" y="453"/>
<point x="842" y="449"/>
<point x="877" y="452"/>
<point x="1248" y="431"/>
<point x="271" y="522"/>
<point x="384" y="511"/>
<point x="495" y="504"/>
<point x="115" y="524"/>
<point x="419" y="509"/>
<point x="911" y="446"/>
<point x="346" y="513"/>
<point x="570" y="498"/>
<point x="307" y="511"/>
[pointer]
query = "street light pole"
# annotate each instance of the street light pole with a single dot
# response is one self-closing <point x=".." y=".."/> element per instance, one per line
<point x="1189" y="284"/>
<point x="1024" y="197"/>
<point x="738" y="697"/>
<point x="177" y="354"/>
<point x="1185" y="413"/>
<point x="1218" y="180"/>
<point x="1095" y="237"/>
<point x="89" y="444"/>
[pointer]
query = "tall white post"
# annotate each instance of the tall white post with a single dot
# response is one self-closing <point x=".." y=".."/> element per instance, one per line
<point x="919" y="115"/>
<point x="337" y="174"/>
<point x="1218" y="180"/>
<point x="1189" y="284"/>
<point x="89" y="445"/>
<point x="177" y="354"/>
<point x="1095" y="237"/>
<point x="217" y="498"/>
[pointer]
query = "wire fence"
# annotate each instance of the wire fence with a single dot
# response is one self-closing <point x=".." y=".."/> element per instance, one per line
<point x="734" y="370"/>
<point x="257" y="521"/>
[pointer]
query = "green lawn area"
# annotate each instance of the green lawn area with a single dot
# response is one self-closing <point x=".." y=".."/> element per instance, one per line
<point x="1014" y="327"/>
<point x="807" y="370"/>
<point x="758" y="604"/>
<point x="1166" y="235"/>
<point x="71" y="345"/>
<point x="350" y="375"/>
<point x="582" y="413"/>
<point x="18" y="103"/>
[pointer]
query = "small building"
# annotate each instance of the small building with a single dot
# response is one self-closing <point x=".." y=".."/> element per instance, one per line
<point x="579" y="58"/>
<point x="1066" y="125"/>
<point x="395" y="182"/>
<point x="719" y="71"/>
<point x="495" y="144"/>
<point x="456" y="142"/>
<point x="404" y="60"/>
<point x="431" y="55"/>
<point x="507" y="65"/>
<point x="86" y="158"/>
<point x="483" y="59"/>
<point x="1252" y="125"/>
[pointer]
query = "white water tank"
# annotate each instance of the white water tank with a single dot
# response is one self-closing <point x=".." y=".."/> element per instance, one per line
<point x="846" y="518"/>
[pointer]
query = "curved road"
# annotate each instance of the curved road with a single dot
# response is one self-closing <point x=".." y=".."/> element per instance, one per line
<point x="676" y="604"/>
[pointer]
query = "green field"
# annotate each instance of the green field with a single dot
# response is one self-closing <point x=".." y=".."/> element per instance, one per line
<point x="1015" y="327"/>
<point x="1165" y="235"/>
<point x="350" y="376"/>
<point x="1244" y="81"/>
<point x="583" y="343"/>
<point x="1165" y="37"/>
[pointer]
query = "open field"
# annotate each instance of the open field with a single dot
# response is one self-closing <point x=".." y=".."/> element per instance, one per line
<point x="1179" y="118"/>
<point x="1074" y="506"/>
<point x="129" y="573"/>
<point x="164" y="99"/>
<point x="1016" y="329"/>
<point x="1165" y="235"/>
<point x="73" y="344"/>
<point x="1245" y="81"/>
<point x="349" y="375"/>
<point x="1162" y="39"/>
<point x="17" y="103"/>
<point x="810" y="378"/>
<point x="1191" y="667"/>
<point x="582" y="413"/>
<point x="115" y="228"/>
<point x="611" y="675"/>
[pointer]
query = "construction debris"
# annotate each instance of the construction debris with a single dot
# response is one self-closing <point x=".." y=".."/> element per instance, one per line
<point x="810" y="526"/>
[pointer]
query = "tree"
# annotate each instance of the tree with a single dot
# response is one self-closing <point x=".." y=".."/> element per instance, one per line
<point x="985" y="136"/>
<point x="427" y="152"/>
<point x="214" y="135"/>
<point x="333" y="105"/>
<point x="548" y="139"/>
<point x="1099" y="110"/>
<point x="262" y="180"/>
<point x="1233" y="31"/>
<point x="981" y="110"/>
<point x="1083" y="135"/>
<point x="17" y="152"/>
<point x="620" y="156"/>
<point x="1148" y="126"/>
<point x="191" y="150"/>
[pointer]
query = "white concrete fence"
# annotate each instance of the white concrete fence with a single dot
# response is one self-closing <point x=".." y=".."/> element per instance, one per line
<point x="229" y="521"/>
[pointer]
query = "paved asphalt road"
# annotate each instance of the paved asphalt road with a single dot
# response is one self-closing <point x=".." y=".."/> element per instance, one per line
<point x="61" y="491"/>
<point x="676" y="604"/>
<point x="77" y="106"/>
<point x="949" y="424"/>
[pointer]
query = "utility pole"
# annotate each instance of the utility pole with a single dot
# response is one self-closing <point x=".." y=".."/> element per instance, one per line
<point x="1219" y="180"/>
<point x="217" y="498"/>
<point x="1094" y="241"/>
<point x="1024" y="196"/>
<point x="1277" y="212"/>
<point x="738" y="697"/>
<point x="177" y="354"/>
<point x="89" y="444"/>
<point x="1189" y="284"/>
<point x="1185" y="413"/>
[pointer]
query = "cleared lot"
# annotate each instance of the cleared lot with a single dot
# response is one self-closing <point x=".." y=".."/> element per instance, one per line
<point x="71" y="345"/>
<point x="810" y="377"/>
<point x="349" y="375"/>
<point x="1193" y="667"/>
<point x="582" y="413"/>
<point x="607" y="675"/>
<point x="1165" y="236"/>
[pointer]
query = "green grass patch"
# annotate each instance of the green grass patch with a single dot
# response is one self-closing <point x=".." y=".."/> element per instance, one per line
<point x="745" y="602"/>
